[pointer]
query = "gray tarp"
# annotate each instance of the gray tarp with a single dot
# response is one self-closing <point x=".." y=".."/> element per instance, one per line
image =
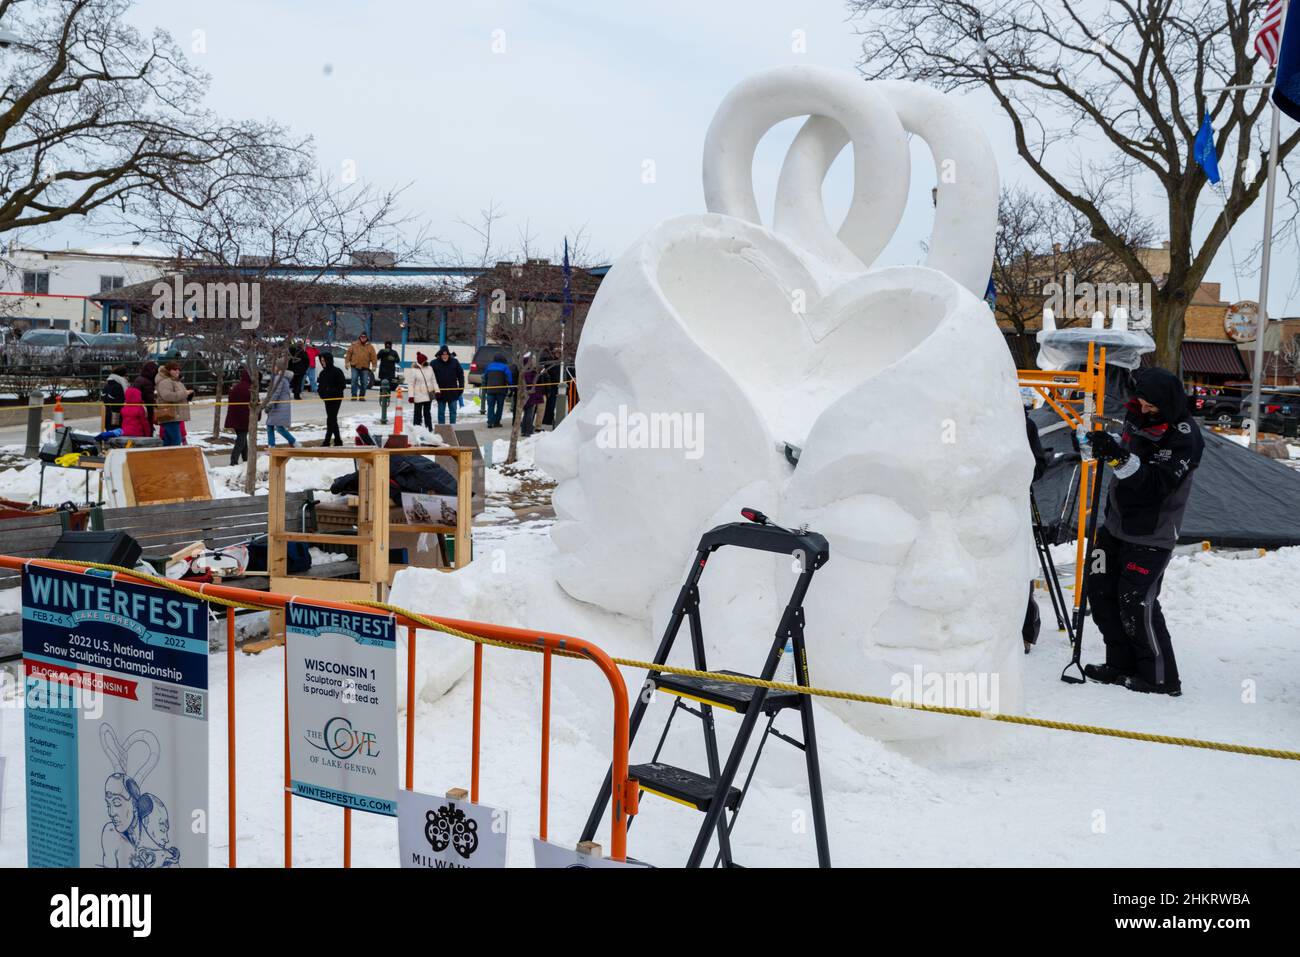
<point x="1240" y="499"/>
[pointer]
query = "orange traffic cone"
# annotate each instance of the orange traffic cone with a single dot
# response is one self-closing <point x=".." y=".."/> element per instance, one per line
<point x="58" y="411"/>
<point x="397" y="440"/>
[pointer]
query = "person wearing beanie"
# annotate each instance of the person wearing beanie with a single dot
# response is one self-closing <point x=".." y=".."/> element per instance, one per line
<point x="424" y="387"/>
<point x="1154" y="459"/>
<point x="389" y="360"/>
<point x="451" y="382"/>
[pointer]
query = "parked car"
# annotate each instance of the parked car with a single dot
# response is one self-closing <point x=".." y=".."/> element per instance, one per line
<point x="52" y="350"/>
<point x="197" y="372"/>
<point x="1230" y="406"/>
<point x="483" y="356"/>
<point x="116" y="347"/>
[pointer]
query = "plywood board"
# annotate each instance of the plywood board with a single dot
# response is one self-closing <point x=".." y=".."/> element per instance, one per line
<point x="161" y="476"/>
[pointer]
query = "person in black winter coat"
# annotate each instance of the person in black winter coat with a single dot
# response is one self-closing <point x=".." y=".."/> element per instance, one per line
<point x="330" y="386"/>
<point x="451" y="383"/>
<point x="1154" y="459"/>
<point x="551" y="390"/>
<point x="113" y="395"/>
<point x="298" y="366"/>
<point x="388" y="362"/>
<point x="148" y="391"/>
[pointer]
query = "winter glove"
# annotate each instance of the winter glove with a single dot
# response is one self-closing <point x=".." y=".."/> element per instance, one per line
<point x="1106" y="446"/>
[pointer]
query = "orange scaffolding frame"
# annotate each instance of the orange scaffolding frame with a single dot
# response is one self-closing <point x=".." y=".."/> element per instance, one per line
<point x="1078" y="397"/>
<point x="548" y="644"/>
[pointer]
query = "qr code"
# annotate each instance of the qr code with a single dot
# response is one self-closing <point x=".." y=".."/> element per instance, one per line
<point x="194" y="704"/>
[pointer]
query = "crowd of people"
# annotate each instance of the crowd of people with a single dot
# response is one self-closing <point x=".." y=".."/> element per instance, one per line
<point x="156" y="402"/>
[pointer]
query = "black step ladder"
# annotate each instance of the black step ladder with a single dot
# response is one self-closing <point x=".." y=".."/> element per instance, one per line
<point x="714" y="794"/>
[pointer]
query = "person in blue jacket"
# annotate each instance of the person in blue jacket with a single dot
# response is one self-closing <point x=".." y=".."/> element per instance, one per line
<point x="497" y="377"/>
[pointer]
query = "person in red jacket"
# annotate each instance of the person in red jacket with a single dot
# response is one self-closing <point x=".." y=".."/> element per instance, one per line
<point x="237" y="417"/>
<point x="135" y="419"/>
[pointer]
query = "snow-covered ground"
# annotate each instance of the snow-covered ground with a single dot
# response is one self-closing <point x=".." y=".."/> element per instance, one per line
<point x="1005" y="795"/>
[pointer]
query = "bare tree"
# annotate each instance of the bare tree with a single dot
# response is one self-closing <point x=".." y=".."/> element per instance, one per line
<point x="1135" y="74"/>
<point x="95" y="116"/>
<point x="249" y="234"/>
<point x="1040" y="242"/>
<point x="485" y="252"/>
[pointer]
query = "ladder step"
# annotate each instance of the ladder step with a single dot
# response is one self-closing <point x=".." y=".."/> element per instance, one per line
<point x="678" y="784"/>
<point x="723" y="694"/>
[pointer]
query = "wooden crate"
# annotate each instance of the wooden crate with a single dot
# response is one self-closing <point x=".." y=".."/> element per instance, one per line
<point x="375" y="525"/>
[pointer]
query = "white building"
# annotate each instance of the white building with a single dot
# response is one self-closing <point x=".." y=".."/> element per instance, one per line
<point x="48" y="287"/>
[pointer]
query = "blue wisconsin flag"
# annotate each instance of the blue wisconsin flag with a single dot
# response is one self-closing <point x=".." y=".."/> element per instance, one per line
<point x="1286" y="92"/>
<point x="1203" y="151"/>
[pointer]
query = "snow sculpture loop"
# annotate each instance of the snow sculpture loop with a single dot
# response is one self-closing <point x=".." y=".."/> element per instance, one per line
<point x="760" y="337"/>
<point x="858" y="112"/>
<point x="872" y="117"/>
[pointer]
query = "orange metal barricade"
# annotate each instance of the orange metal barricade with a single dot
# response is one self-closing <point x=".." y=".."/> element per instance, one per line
<point x="547" y="643"/>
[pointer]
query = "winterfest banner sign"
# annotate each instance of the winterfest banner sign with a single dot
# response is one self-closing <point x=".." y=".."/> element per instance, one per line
<point x="122" y="783"/>
<point x="342" y="673"/>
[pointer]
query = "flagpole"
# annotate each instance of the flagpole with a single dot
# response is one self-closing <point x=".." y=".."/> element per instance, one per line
<point x="562" y="391"/>
<point x="1255" y="399"/>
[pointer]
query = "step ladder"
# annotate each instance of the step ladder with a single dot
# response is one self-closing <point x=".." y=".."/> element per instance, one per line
<point x="713" y="794"/>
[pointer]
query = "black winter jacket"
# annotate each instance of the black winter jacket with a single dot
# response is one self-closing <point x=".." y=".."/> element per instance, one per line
<point x="1149" y="493"/>
<point x="388" y="359"/>
<point x="330" y="382"/>
<point x="450" y="376"/>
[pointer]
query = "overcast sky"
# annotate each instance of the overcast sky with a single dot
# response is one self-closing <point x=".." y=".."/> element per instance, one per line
<point x="549" y="108"/>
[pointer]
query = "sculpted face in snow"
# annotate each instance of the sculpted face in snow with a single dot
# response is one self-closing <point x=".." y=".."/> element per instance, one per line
<point x="916" y="480"/>
<point x="895" y="383"/>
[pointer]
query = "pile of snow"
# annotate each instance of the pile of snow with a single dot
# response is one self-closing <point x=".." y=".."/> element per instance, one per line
<point x="61" y="485"/>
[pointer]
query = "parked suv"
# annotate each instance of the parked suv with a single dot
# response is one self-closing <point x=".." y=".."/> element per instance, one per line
<point x="1231" y="405"/>
<point x="56" y="350"/>
<point x="483" y="357"/>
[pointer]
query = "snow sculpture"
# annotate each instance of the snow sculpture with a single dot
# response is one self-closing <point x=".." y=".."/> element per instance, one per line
<point x="715" y="342"/>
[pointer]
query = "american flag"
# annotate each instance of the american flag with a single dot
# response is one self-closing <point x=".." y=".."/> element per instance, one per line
<point x="1269" y="37"/>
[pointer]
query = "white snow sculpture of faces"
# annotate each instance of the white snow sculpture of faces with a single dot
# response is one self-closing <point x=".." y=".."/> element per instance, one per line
<point x="715" y="340"/>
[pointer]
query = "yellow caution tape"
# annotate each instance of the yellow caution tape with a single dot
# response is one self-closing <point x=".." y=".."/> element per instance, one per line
<point x="425" y="621"/>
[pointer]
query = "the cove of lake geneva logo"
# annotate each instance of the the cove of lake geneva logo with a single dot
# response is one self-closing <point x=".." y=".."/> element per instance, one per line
<point x="450" y="826"/>
<point x="344" y="742"/>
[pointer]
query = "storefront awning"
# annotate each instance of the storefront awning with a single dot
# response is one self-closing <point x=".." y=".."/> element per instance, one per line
<point x="1213" y="358"/>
